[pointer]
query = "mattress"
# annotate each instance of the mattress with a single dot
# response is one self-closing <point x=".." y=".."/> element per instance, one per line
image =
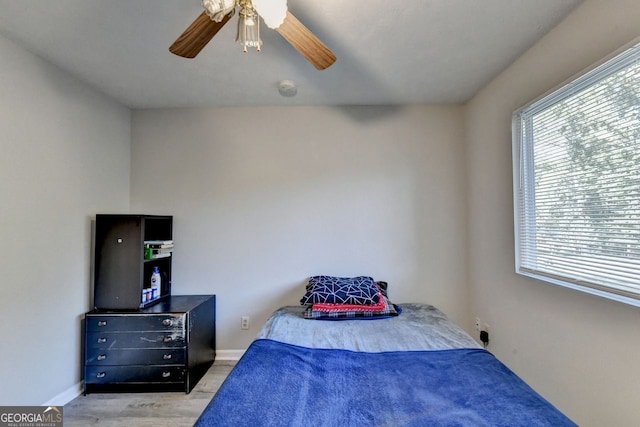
<point x="416" y="369"/>
<point x="419" y="327"/>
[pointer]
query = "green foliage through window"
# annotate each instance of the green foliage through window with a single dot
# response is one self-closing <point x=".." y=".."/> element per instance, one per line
<point x="577" y="182"/>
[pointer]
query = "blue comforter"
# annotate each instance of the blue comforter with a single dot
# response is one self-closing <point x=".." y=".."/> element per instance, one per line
<point x="278" y="384"/>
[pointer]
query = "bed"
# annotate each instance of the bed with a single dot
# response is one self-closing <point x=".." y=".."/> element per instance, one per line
<point x="413" y="368"/>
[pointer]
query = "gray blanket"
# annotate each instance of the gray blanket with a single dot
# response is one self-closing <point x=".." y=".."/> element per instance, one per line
<point x="418" y="327"/>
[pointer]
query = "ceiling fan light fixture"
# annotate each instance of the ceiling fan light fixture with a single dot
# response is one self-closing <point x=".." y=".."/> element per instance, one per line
<point x="248" y="27"/>
<point x="276" y="16"/>
<point x="273" y="12"/>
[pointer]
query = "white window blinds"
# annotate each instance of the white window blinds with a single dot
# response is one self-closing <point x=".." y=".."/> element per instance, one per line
<point x="577" y="182"/>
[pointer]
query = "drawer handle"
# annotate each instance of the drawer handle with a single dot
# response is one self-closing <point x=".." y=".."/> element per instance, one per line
<point x="166" y="374"/>
<point x="102" y="323"/>
<point x="167" y="339"/>
<point x="166" y="357"/>
<point x="101" y="375"/>
<point x="167" y="322"/>
<point x="102" y="340"/>
<point x="102" y="357"/>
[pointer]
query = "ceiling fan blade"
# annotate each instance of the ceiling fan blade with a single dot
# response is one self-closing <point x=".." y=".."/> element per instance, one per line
<point x="196" y="37"/>
<point x="306" y="42"/>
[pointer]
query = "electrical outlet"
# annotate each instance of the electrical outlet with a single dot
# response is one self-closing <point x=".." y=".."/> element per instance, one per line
<point x="478" y="323"/>
<point x="244" y="322"/>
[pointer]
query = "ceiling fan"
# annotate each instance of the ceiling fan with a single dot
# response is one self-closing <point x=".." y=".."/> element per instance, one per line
<point x="275" y="15"/>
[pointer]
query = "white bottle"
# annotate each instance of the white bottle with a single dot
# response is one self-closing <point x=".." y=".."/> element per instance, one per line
<point x="155" y="283"/>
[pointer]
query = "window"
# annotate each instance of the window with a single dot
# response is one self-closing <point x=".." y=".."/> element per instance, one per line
<point x="576" y="162"/>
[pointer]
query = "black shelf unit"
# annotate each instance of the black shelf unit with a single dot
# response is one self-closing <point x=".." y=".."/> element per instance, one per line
<point x="121" y="270"/>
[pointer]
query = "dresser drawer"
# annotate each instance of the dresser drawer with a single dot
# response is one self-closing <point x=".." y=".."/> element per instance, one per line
<point x="165" y="347"/>
<point x="134" y="340"/>
<point x="135" y="322"/>
<point x="134" y="374"/>
<point x="159" y="356"/>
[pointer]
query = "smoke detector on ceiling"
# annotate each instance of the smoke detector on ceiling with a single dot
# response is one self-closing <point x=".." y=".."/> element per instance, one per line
<point x="287" y="88"/>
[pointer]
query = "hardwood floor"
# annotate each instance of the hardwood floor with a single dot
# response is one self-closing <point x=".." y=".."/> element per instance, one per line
<point x="146" y="409"/>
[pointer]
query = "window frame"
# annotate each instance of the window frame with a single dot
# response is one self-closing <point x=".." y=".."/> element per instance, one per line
<point x="522" y="158"/>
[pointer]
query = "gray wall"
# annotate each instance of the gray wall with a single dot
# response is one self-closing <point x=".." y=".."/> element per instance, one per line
<point x="265" y="197"/>
<point x="578" y="350"/>
<point x="65" y="156"/>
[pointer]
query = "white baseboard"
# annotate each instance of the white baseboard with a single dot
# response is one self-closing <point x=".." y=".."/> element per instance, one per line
<point x="234" y="355"/>
<point x="66" y="396"/>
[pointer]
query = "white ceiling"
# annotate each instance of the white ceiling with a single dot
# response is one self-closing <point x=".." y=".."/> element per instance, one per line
<point x="410" y="52"/>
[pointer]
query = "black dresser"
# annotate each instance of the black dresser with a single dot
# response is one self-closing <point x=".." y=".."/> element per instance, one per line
<point x="166" y="347"/>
